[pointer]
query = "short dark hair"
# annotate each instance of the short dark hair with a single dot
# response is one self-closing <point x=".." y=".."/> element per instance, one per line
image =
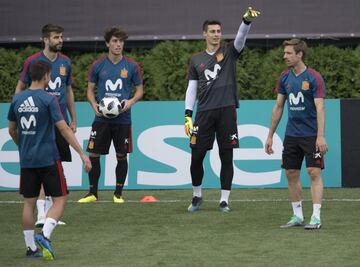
<point x="49" y="28"/>
<point x="210" y="22"/>
<point x="39" y="69"/>
<point x="298" y="44"/>
<point x="116" y="31"/>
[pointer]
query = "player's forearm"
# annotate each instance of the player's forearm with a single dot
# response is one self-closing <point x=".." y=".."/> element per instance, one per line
<point x="241" y="35"/>
<point x="138" y="94"/>
<point x="69" y="136"/>
<point x="320" y="113"/>
<point x="91" y="99"/>
<point x="71" y="105"/>
<point x="275" y="119"/>
<point x="190" y="96"/>
<point x="14" y="135"/>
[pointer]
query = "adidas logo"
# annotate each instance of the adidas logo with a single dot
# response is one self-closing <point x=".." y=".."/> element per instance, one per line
<point x="28" y="106"/>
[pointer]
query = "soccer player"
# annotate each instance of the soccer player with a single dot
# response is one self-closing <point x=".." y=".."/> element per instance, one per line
<point x="304" y="91"/>
<point x="59" y="86"/>
<point x="32" y="116"/>
<point x="212" y="77"/>
<point x="113" y="75"/>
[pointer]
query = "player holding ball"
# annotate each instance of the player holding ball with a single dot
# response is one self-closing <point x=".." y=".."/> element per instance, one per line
<point x="114" y="75"/>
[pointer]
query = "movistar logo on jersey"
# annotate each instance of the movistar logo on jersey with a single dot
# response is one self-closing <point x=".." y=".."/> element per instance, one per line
<point x="28" y="106"/>
<point x="54" y="84"/>
<point x="212" y="75"/>
<point x="26" y="124"/>
<point x="109" y="85"/>
<point x="296" y="100"/>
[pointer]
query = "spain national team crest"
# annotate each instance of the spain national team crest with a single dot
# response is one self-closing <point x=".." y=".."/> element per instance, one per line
<point x="91" y="144"/>
<point x="62" y="70"/>
<point x="124" y="73"/>
<point x="305" y="85"/>
<point x="219" y="57"/>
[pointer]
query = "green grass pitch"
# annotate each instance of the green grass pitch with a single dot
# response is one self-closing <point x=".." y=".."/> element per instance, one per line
<point x="165" y="234"/>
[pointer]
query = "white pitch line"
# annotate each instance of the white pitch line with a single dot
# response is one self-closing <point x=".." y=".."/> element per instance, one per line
<point x="206" y="200"/>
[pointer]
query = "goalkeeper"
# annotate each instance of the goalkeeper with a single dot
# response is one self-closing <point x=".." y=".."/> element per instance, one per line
<point x="211" y="76"/>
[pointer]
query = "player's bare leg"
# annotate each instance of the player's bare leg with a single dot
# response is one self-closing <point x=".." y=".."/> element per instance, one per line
<point x="295" y="190"/>
<point x="317" y="195"/>
<point x="28" y="228"/>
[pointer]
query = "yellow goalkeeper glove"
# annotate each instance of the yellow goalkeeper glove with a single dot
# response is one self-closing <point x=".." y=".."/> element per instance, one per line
<point x="250" y="14"/>
<point x="188" y="123"/>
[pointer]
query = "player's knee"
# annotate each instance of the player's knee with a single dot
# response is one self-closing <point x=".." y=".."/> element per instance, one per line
<point x="94" y="158"/>
<point x="121" y="157"/>
<point x="226" y="156"/>
<point x="197" y="156"/>
<point x="292" y="175"/>
<point x="314" y="173"/>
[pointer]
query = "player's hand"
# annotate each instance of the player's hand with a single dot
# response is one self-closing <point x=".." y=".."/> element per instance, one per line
<point x="250" y="14"/>
<point x="97" y="111"/>
<point x="268" y="146"/>
<point x="321" y="145"/>
<point x="188" y="126"/>
<point x="126" y="104"/>
<point x="87" y="162"/>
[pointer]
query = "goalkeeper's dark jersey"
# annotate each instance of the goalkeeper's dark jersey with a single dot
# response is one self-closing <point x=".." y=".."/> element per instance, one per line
<point x="216" y="76"/>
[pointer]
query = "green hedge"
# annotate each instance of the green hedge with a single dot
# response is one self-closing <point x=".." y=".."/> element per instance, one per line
<point x="164" y="70"/>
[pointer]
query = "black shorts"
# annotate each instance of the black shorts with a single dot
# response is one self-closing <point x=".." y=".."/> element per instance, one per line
<point x="221" y="122"/>
<point x="63" y="146"/>
<point x="103" y="133"/>
<point x="51" y="177"/>
<point x="296" y="148"/>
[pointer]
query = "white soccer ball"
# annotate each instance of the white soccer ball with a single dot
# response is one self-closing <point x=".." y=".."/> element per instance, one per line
<point x="110" y="107"/>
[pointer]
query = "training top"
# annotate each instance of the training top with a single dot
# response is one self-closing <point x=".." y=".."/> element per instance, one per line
<point x="300" y="92"/>
<point x="115" y="80"/>
<point x="61" y="77"/>
<point x="216" y="76"/>
<point x="35" y="113"/>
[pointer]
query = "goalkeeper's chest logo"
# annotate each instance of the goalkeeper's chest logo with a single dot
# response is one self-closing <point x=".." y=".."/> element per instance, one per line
<point x="212" y="74"/>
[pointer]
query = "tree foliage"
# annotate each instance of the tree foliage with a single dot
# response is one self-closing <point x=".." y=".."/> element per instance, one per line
<point x="164" y="70"/>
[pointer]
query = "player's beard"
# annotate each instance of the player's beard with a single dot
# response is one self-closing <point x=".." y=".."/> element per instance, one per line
<point x="55" y="48"/>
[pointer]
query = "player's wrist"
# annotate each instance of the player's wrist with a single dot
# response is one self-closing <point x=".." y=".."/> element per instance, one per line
<point x="247" y="22"/>
<point x="188" y="113"/>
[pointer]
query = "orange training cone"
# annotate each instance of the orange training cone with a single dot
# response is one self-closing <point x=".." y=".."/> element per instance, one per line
<point x="148" y="199"/>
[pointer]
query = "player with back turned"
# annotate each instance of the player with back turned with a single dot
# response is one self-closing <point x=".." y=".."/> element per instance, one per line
<point x="212" y="77"/>
<point x="33" y="115"/>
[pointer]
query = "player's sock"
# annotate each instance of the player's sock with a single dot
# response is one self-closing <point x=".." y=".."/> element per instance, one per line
<point x="48" y="204"/>
<point x="316" y="210"/>
<point x="94" y="175"/>
<point x="225" y="196"/>
<point x="49" y="227"/>
<point x="29" y="236"/>
<point x="121" y="172"/>
<point x="297" y="208"/>
<point x="40" y="205"/>
<point x="197" y="191"/>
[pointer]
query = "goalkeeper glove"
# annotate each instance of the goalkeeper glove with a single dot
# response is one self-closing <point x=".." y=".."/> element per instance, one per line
<point x="250" y="14"/>
<point x="188" y="123"/>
